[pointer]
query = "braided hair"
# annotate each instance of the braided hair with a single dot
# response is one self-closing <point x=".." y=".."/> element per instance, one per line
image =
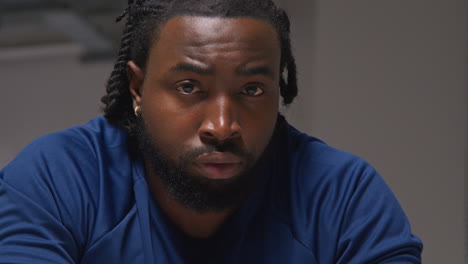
<point x="146" y="17"/>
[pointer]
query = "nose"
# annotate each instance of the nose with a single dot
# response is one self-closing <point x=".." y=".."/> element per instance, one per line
<point x="220" y="121"/>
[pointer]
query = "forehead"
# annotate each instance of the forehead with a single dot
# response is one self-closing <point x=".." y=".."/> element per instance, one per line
<point x="201" y="28"/>
<point x="209" y="35"/>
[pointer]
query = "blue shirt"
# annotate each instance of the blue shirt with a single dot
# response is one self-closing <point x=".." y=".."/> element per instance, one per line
<point x="77" y="196"/>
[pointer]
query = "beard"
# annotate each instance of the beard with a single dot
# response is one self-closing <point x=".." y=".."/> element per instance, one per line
<point x="195" y="191"/>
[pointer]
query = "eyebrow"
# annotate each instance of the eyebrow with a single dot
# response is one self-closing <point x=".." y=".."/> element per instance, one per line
<point x="188" y="67"/>
<point x="242" y="70"/>
<point x="251" y="71"/>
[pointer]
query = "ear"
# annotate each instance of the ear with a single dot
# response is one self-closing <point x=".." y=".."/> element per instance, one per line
<point x="135" y="76"/>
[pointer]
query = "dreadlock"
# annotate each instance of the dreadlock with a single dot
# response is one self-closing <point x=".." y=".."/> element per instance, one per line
<point x="146" y="17"/>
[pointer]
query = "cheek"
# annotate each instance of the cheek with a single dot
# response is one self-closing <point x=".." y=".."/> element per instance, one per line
<point x="259" y="128"/>
<point x="168" y="124"/>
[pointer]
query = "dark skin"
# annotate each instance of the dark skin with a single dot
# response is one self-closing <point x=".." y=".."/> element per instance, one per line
<point x="208" y="80"/>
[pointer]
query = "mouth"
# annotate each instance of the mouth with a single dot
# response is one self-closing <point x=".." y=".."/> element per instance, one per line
<point x="219" y="165"/>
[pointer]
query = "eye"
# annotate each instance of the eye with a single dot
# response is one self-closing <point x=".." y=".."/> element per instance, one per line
<point x="253" y="90"/>
<point x="187" y="88"/>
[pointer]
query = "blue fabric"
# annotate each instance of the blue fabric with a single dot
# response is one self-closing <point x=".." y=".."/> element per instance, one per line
<point x="77" y="197"/>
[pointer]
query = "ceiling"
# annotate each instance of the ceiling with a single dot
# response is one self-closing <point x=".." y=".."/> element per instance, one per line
<point x="89" y="23"/>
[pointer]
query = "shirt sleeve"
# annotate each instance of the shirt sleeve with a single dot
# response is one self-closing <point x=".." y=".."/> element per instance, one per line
<point x="374" y="227"/>
<point x="41" y="213"/>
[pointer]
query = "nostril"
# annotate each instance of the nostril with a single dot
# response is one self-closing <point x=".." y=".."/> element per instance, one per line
<point x="208" y="134"/>
<point x="219" y="134"/>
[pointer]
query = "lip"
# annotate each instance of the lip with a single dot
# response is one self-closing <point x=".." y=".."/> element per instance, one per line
<point x="219" y="165"/>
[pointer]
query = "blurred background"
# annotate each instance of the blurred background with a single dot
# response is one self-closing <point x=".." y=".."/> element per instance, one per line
<point x="386" y="80"/>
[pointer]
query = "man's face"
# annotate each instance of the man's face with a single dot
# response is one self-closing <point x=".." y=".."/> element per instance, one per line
<point x="210" y="97"/>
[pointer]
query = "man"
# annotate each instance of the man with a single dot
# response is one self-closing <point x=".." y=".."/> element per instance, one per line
<point x="193" y="163"/>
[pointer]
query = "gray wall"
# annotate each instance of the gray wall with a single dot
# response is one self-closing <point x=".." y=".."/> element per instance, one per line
<point x="383" y="79"/>
<point x="43" y="90"/>
<point x="387" y="80"/>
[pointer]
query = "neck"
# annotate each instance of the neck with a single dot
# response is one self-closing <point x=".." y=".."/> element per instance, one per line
<point x="191" y="222"/>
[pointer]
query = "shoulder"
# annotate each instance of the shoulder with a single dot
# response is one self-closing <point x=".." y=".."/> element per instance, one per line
<point x="73" y="174"/>
<point x="327" y="180"/>
<point x="334" y="197"/>
<point x="97" y="133"/>
<point x="324" y="179"/>
<point x="315" y="177"/>
<point x="77" y="150"/>
<point x="311" y="160"/>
